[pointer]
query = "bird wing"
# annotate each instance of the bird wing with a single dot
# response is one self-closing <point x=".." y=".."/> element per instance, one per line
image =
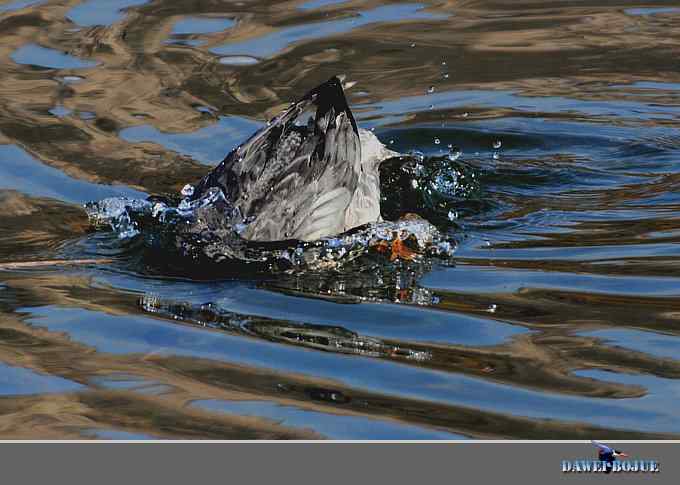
<point x="603" y="448"/>
<point x="295" y="178"/>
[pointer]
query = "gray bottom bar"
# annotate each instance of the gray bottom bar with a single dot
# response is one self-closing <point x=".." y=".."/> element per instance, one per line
<point x="392" y="463"/>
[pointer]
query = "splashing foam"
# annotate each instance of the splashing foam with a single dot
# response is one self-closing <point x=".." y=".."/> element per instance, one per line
<point x="210" y="228"/>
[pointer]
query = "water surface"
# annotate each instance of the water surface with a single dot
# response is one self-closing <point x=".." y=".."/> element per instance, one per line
<point x="548" y="140"/>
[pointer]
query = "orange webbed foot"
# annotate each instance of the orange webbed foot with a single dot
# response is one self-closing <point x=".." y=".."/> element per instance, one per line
<point x="401" y="251"/>
<point x="396" y="249"/>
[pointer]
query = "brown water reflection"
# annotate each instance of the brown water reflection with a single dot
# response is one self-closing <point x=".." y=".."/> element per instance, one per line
<point x="557" y="318"/>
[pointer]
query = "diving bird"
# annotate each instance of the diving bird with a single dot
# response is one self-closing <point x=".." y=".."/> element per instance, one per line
<point x="608" y="455"/>
<point x="309" y="173"/>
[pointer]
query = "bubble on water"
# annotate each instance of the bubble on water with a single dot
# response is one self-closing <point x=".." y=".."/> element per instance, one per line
<point x="414" y="183"/>
<point x="497" y="144"/>
<point x="496" y="155"/>
<point x="391" y="142"/>
<point x="452" y="215"/>
<point x="431" y="106"/>
<point x="188" y="190"/>
<point x="430" y="90"/>
<point x="465" y="115"/>
<point x="72" y="79"/>
<point x="437" y="141"/>
<point x="413" y="44"/>
<point x="454" y="153"/>
<point x="238" y="60"/>
<point x="445" y="181"/>
<point x="446" y="75"/>
<point x="443" y="63"/>
<point x="492" y="308"/>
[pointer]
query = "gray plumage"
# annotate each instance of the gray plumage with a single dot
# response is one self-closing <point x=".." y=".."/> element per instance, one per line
<point x="308" y="174"/>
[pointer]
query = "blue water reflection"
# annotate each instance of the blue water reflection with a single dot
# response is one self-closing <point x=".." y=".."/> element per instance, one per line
<point x="140" y="335"/>
<point x="20" y="381"/>
<point x="380" y="320"/>
<point x="652" y="343"/>
<point x="20" y="171"/>
<point x="271" y="44"/>
<point x="333" y="426"/>
<point x="468" y="278"/>
<point x="36" y="55"/>
<point x="101" y="12"/>
<point x="208" y="145"/>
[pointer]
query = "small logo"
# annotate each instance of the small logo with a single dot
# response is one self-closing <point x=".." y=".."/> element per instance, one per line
<point x="609" y="460"/>
<point x="608" y="455"/>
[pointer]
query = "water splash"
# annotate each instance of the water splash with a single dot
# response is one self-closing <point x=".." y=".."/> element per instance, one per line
<point x="431" y="187"/>
<point x="454" y="153"/>
<point x="209" y="229"/>
<point x="116" y="213"/>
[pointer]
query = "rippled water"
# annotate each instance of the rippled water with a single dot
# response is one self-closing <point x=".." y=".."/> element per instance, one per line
<point x="543" y="144"/>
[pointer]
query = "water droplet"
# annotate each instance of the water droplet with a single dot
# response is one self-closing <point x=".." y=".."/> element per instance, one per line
<point x="430" y="90"/>
<point x="437" y="141"/>
<point x="454" y="153"/>
<point x="497" y="144"/>
<point x="188" y="190"/>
